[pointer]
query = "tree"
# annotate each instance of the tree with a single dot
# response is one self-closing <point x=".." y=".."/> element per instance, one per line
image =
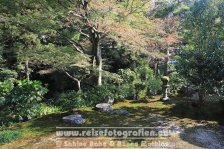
<point x="32" y="37"/>
<point x="118" y="21"/>
<point x="74" y="64"/>
<point x="76" y="31"/>
<point x="202" y="58"/>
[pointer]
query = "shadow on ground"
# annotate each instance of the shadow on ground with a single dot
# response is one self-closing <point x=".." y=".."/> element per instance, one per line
<point x="152" y="113"/>
<point x="207" y="136"/>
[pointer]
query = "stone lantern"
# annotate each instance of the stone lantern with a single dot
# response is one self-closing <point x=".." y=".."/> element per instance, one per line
<point x="165" y="80"/>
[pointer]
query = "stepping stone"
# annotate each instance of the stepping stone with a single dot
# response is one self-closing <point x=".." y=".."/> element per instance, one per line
<point x="74" y="119"/>
<point x="121" y="112"/>
<point x="104" y="107"/>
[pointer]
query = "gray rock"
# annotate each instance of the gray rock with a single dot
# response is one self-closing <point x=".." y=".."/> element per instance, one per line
<point x="121" y="112"/>
<point x="74" y="119"/>
<point x="104" y="107"/>
<point x="110" y="100"/>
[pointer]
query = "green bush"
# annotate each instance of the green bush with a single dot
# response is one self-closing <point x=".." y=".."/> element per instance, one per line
<point x="98" y="94"/>
<point x="7" y="74"/>
<point x="139" y="83"/>
<point x="132" y="83"/>
<point x="176" y="82"/>
<point x="7" y="136"/>
<point x="154" y="86"/>
<point x="125" y="91"/>
<point x="6" y="87"/>
<point x="71" y="99"/>
<point x="127" y="75"/>
<point x="140" y="89"/>
<point x="181" y="9"/>
<point x="44" y="109"/>
<point x="164" y="11"/>
<point x="22" y="99"/>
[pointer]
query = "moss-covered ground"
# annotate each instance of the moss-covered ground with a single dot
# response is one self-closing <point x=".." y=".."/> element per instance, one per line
<point x="40" y="132"/>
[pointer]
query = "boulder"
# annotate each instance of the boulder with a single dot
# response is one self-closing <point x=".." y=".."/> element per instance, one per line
<point x="121" y="112"/>
<point x="74" y="119"/>
<point x="104" y="107"/>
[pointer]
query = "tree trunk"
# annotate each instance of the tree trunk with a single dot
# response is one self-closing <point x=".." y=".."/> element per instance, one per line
<point x="100" y="65"/>
<point x="97" y="55"/>
<point x="79" y="85"/>
<point x="27" y="70"/>
<point x="156" y="68"/>
<point x="166" y="69"/>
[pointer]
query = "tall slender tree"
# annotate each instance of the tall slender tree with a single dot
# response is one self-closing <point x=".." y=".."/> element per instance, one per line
<point x="202" y="58"/>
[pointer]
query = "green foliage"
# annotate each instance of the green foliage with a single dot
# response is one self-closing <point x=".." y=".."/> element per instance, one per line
<point x="44" y="109"/>
<point x="99" y="93"/>
<point x="140" y="89"/>
<point x="7" y="74"/>
<point x="181" y="9"/>
<point x="144" y="72"/>
<point x="71" y="99"/>
<point x="132" y="82"/>
<point x="202" y="59"/>
<point x="111" y="78"/>
<point x="141" y="82"/>
<point x="7" y="136"/>
<point x="6" y="87"/>
<point x="124" y="91"/>
<point x="165" y="11"/>
<point x="176" y="82"/>
<point x="20" y="102"/>
<point x="127" y="75"/>
<point x="154" y="86"/>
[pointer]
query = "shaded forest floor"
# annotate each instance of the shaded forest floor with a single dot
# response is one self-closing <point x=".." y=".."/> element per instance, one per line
<point x="196" y="127"/>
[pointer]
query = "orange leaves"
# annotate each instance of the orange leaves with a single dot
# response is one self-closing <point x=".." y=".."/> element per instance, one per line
<point x="132" y="30"/>
<point x="130" y="37"/>
<point x="171" y="39"/>
<point x="103" y="5"/>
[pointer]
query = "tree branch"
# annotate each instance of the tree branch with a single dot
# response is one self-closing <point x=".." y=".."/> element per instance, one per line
<point x="70" y="76"/>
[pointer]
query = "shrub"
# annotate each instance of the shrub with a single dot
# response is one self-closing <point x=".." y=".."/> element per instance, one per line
<point x="44" y="109"/>
<point x="176" y="82"/>
<point x="7" y="136"/>
<point x="7" y="74"/>
<point x="21" y="101"/>
<point x="127" y="75"/>
<point x="98" y="94"/>
<point x="181" y="9"/>
<point x="140" y="89"/>
<point x="154" y="86"/>
<point x="71" y="99"/>
<point x="164" y="11"/>
<point x="111" y="78"/>
<point x="125" y="91"/>
<point x="140" y="82"/>
<point x="5" y="87"/>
